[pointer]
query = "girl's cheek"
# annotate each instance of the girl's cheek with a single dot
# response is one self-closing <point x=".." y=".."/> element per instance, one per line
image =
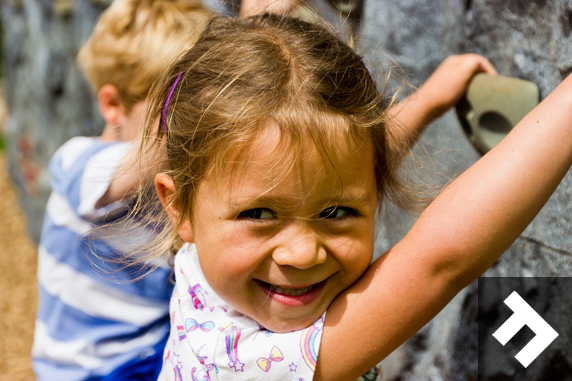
<point x="252" y="241"/>
<point x="356" y="246"/>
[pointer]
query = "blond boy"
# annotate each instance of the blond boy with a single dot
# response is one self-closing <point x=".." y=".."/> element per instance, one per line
<point x="91" y="326"/>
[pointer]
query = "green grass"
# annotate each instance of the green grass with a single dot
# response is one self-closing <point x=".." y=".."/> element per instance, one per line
<point x="2" y="143"/>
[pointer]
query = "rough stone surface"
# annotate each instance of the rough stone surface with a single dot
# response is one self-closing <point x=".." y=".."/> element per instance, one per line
<point x="525" y="39"/>
<point x="48" y="98"/>
<point x="49" y="102"/>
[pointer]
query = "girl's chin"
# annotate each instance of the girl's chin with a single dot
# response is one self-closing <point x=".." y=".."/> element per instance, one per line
<point x="285" y="326"/>
<point x="277" y="318"/>
<point x="283" y="313"/>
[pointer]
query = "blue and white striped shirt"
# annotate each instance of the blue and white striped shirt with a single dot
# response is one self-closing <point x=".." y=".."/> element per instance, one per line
<point x="92" y="317"/>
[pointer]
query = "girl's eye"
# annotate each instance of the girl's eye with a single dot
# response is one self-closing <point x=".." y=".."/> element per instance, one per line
<point x="257" y="214"/>
<point x="337" y="212"/>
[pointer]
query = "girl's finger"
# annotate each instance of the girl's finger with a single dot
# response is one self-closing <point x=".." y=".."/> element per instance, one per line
<point x="486" y="66"/>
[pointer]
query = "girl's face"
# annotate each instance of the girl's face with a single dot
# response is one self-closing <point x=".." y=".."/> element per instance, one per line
<point x="279" y="245"/>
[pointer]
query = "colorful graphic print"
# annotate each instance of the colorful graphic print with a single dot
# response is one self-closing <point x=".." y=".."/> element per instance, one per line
<point x="175" y="294"/>
<point x="198" y="295"/>
<point x="308" y="344"/>
<point x="224" y="326"/>
<point x="200" y="375"/>
<point x="177" y="366"/>
<point x="203" y="360"/>
<point x="182" y="332"/>
<point x="232" y="351"/>
<point x="275" y="356"/>
<point x="267" y="333"/>
<point x="192" y="324"/>
<point x="195" y="291"/>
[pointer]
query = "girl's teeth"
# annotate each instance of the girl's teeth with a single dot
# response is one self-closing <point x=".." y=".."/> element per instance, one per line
<point x="290" y="291"/>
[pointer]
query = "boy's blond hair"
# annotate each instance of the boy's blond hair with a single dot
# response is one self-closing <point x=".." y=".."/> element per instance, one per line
<point x="135" y="40"/>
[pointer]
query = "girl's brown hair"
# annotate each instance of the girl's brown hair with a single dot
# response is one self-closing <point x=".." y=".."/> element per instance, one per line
<point x="242" y="74"/>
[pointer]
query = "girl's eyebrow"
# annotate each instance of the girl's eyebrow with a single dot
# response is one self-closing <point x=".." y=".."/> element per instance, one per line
<point x="349" y="197"/>
<point x="358" y="198"/>
<point x="354" y="198"/>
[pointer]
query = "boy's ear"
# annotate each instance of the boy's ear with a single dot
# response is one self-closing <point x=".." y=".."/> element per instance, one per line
<point x="165" y="188"/>
<point x="109" y="102"/>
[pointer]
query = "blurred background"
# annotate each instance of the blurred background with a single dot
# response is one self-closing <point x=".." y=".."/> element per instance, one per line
<point x="45" y="101"/>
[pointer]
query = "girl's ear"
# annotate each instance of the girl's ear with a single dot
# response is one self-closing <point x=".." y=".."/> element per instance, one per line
<point x="165" y="188"/>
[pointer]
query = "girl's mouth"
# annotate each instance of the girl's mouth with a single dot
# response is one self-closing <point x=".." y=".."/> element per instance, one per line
<point x="292" y="297"/>
<point x="290" y="291"/>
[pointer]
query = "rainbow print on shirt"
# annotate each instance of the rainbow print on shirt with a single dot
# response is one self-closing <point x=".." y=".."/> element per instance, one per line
<point x="232" y="351"/>
<point x="195" y="292"/>
<point x="182" y="333"/>
<point x="177" y="366"/>
<point x="309" y="346"/>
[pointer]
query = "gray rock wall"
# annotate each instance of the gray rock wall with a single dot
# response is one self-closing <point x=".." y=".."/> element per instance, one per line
<point x="50" y="102"/>
<point x="525" y="39"/>
<point x="48" y="99"/>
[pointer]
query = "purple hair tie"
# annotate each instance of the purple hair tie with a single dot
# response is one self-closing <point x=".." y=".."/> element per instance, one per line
<point x="367" y="67"/>
<point x="168" y="100"/>
<point x="370" y="74"/>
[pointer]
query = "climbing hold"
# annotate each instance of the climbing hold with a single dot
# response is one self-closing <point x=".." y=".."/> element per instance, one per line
<point x="492" y="106"/>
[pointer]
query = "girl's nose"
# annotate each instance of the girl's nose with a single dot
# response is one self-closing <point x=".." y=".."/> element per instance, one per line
<point x="300" y="249"/>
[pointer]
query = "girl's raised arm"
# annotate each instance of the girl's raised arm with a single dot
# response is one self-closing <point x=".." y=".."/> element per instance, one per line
<point x="253" y="7"/>
<point x="461" y="234"/>
<point x="442" y="90"/>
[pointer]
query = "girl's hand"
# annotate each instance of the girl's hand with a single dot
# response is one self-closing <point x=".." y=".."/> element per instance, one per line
<point x="253" y="7"/>
<point x="445" y="87"/>
<point x="442" y="90"/>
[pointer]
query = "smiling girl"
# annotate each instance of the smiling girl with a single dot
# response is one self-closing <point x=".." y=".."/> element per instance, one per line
<point x="280" y="153"/>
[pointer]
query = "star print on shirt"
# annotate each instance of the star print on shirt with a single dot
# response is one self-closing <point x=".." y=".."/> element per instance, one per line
<point x="292" y="367"/>
<point x="237" y="366"/>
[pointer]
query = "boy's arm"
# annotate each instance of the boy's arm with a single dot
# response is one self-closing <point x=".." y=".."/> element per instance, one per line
<point x="454" y="241"/>
<point x="124" y="181"/>
<point x="442" y="90"/>
<point x="130" y="173"/>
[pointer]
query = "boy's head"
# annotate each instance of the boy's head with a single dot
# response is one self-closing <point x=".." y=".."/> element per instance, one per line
<point x="135" y="40"/>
